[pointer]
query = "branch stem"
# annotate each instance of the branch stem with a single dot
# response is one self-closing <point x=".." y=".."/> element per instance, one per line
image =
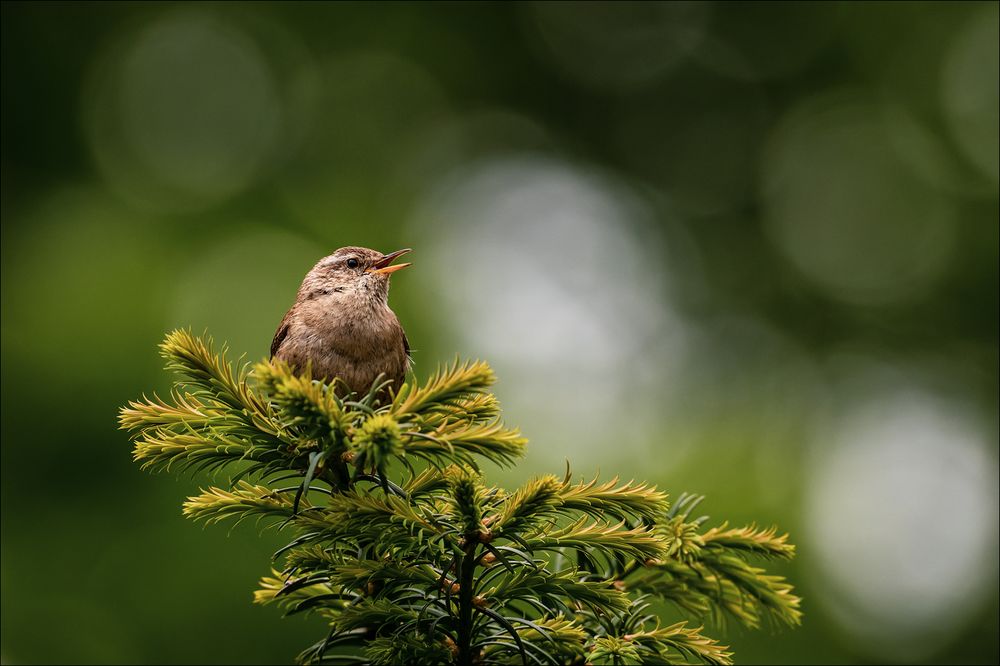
<point x="465" y="594"/>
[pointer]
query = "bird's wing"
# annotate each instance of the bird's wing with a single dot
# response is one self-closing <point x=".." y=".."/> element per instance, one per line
<point x="406" y="351"/>
<point x="281" y="333"/>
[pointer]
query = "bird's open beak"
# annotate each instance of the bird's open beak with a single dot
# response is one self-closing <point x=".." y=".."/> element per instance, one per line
<point x="382" y="265"/>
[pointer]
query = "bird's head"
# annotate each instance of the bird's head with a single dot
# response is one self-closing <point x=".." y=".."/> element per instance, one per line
<point x="352" y="274"/>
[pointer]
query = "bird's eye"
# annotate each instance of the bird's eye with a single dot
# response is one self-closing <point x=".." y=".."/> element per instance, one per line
<point x="353" y="263"/>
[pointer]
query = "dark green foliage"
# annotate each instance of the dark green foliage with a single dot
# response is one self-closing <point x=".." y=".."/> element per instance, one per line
<point x="437" y="567"/>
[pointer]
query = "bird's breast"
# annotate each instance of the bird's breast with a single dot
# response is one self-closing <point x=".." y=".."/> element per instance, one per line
<point x="356" y="350"/>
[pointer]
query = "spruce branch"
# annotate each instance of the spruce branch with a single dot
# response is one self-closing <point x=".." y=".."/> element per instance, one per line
<point x="205" y="371"/>
<point x="750" y="539"/>
<point x="535" y="501"/>
<point x="688" y="642"/>
<point x="553" y="589"/>
<point x="461" y="441"/>
<point x="425" y="482"/>
<point x="380" y="577"/>
<point x="247" y="500"/>
<point x="435" y="565"/>
<point x="186" y="412"/>
<point x="164" y="449"/>
<point x="318" y="597"/>
<point x="376" y="442"/>
<point x="407" y="649"/>
<point x="566" y="638"/>
<point x="608" y="539"/>
<point x="622" y="501"/>
<point x="614" y="650"/>
<point x="467" y="497"/>
<point x="707" y="572"/>
<point x="388" y="521"/>
<point x="447" y="388"/>
<point x="478" y="407"/>
<point x="307" y="407"/>
<point x="311" y="557"/>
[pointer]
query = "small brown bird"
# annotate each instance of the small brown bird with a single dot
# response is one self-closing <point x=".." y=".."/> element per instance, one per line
<point x="341" y="322"/>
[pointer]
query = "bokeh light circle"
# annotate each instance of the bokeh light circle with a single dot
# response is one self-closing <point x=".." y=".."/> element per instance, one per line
<point x="559" y="280"/>
<point x="902" y="520"/>
<point x="844" y="208"/>
<point x="225" y="288"/>
<point x="971" y="91"/>
<point x="702" y="154"/>
<point x="183" y="112"/>
<point x="360" y="114"/>
<point x="767" y="40"/>
<point x="72" y="265"/>
<point x="616" y="46"/>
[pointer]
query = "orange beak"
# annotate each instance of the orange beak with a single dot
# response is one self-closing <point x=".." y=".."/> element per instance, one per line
<point x="382" y="265"/>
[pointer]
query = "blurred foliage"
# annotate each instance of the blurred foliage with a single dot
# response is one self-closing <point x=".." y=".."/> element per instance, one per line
<point x="761" y="239"/>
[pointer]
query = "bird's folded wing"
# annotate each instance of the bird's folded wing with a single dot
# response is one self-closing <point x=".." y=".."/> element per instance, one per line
<point x="281" y="333"/>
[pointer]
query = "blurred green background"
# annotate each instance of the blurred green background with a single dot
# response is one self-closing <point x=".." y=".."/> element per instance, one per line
<point x="748" y="250"/>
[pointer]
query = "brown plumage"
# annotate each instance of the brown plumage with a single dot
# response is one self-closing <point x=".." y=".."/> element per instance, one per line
<point x="341" y="323"/>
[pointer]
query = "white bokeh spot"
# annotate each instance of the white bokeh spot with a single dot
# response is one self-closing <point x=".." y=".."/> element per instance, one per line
<point x="558" y="280"/>
<point x="902" y="514"/>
